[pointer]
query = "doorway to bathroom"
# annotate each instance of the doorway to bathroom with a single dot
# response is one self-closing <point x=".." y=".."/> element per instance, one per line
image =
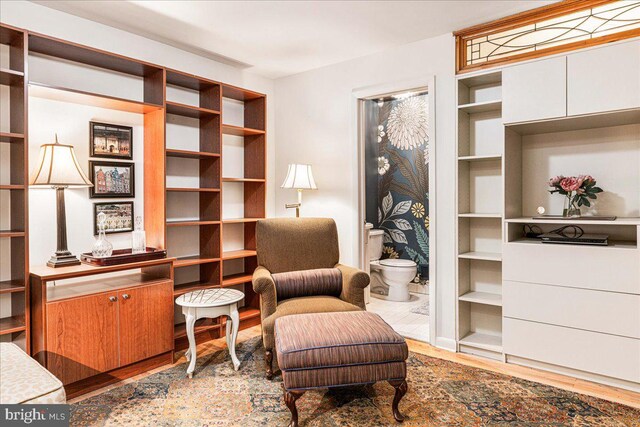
<point x="395" y="130"/>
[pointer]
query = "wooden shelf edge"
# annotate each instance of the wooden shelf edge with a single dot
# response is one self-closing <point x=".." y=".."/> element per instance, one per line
<point x="243" y="180"/>
<point x="185" y="288"/>
<point x="10" y="286"/>
<point x="9" y="325"/>
<point x="188" y="189"/>
<point x="11" y="137"/>
<point x="238" y="254"/>
<point x="172" y="152"/>
<point x="11" y="77"/>
<point x="236" y="279"/>
<point x="64" y="94"/>
<point x="10" y="233"/>
<point x="239" y="94"/>
<point x="191" y="223"/>
<point x="240" y="131"/>
<point x="240" y="220"/>
<point x="187" y="261"/>
<point x="179" y="109"/>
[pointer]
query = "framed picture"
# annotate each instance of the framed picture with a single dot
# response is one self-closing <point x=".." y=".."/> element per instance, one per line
<point x="111" y="141"/>
<point x="111" y="179"/>
<point x="119" y="217"/>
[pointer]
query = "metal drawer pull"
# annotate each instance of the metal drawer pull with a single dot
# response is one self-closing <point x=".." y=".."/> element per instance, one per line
<point x="113" y="299"/>
<point x="126" y="296"/>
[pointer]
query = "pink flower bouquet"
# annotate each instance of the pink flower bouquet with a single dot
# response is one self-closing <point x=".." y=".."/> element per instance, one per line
<point x="577" y="189"/>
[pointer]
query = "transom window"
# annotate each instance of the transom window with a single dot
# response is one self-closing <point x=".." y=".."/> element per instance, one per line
<point x="543" y="31"/>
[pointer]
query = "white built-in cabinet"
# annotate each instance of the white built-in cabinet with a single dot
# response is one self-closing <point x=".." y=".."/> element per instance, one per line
<point x="567" y="308"/>
<point x="604" y="79"/>
<point x="599" y="80"/>
<point x="535" y="91"/>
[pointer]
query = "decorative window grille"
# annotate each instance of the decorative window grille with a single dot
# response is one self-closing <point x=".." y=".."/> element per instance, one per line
<point x="551" y="29"/>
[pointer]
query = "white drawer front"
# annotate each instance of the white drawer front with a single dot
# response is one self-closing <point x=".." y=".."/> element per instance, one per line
<point x="606" y="312"/>
<point x="609" y="355"/>
<point x="601" y="268"/>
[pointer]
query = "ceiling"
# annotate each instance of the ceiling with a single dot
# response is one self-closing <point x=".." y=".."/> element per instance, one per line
<point x="280" y="38"/>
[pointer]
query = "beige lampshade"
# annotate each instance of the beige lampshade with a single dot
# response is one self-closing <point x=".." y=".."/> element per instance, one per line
<point x="58" y="166"/>
<point x="299" y="177"/>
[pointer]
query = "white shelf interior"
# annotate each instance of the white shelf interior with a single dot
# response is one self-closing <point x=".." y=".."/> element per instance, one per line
<point x="482" y="256"/>
<point x="480" y="144"/>
<point x="610" y="154"/>
<point x="483" y="341"/>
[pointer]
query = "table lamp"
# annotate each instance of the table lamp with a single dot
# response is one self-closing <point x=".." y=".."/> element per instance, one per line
<point x="58" y="168"/>
<point x="299" y="177"/>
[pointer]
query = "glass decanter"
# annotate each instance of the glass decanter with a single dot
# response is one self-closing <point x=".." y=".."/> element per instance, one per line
<point x="102" y="247"/>
<point x="138" y="238"/>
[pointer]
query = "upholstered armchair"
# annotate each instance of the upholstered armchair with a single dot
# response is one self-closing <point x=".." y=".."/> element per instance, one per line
<point x="298" y="272"/>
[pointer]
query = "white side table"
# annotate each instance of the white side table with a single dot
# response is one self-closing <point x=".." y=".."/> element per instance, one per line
<point x="211" y="303"/>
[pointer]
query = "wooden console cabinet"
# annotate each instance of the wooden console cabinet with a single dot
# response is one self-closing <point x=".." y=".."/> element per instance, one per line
<point x="90" y="321"/>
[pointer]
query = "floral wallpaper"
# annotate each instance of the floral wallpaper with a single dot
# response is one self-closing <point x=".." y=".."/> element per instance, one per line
<point x="403" y="179"/>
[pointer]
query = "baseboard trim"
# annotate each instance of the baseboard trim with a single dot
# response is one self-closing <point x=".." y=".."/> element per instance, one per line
<point x="448" y="344"/>
<point x="587" y="376"/>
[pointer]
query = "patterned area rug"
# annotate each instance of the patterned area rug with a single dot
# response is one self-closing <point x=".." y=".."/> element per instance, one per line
<point x="441" y="393"/>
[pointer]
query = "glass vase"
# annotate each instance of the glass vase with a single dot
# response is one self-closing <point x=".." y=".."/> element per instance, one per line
<point x="138" y="238"/>
<point x="570" y="209"/>
<point x="102" y="247"/>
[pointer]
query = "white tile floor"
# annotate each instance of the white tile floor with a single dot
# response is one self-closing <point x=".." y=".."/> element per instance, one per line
<point x="400" y="317"/>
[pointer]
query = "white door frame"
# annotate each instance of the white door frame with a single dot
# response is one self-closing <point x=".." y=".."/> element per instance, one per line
<point x="358" y="96"/>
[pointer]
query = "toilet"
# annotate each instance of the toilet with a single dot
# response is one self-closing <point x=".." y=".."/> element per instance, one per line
<point x="391" y="276"/>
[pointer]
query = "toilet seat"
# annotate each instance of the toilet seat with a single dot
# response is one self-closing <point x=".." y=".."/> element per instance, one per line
<point x="398" y="263"/>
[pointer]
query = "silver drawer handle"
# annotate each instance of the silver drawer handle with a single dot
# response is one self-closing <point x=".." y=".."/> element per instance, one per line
<point x="125" y="296"/>
<point x="113" y="299"/>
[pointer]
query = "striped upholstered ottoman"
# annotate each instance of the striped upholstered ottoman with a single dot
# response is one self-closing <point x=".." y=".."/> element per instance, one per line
<point x="338" y="349"/>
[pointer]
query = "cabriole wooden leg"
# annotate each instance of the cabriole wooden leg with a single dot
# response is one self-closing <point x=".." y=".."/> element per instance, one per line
<point x="268" y="358"/>
<point x="290" y="398"/>
<point x="401" y="389"/>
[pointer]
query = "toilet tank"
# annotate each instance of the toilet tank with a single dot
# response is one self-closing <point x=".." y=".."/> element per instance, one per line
<point x="375" y="244"/>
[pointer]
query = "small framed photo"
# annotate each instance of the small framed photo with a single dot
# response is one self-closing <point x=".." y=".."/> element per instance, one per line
<point x="111" y="179"/>
<point x="110" y="141"/>
<point x="119" y="217"/>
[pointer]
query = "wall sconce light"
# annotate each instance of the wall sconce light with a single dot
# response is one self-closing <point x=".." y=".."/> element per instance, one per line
<point x="299" y="177"/>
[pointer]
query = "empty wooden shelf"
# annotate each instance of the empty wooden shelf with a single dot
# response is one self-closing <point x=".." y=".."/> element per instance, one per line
<point x="240" y="131"/>
<point x="63" y="94"/>
<point x="171" y="152"/>
<point x="189" y="110"/>
<point x="243" y="253"/>
<point x="236" y="279"/>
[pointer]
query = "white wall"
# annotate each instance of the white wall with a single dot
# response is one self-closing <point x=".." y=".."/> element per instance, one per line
<point x="315" y="125"/>
<point x="72" y="120"/>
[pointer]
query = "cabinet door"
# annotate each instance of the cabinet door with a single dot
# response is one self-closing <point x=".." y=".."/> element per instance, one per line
<point x="535" y="91"/>
<point x="604" y="79"/>
<point x="146" y="322"/>
<point x="82" y="337"/>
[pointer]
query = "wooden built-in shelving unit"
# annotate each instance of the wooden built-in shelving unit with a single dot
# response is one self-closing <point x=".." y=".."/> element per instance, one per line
<point x="14" y="213"/>
<point x="185" y="219"/>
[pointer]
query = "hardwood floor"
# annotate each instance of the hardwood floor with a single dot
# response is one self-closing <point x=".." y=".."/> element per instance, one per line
<point x="556" y="380"/>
